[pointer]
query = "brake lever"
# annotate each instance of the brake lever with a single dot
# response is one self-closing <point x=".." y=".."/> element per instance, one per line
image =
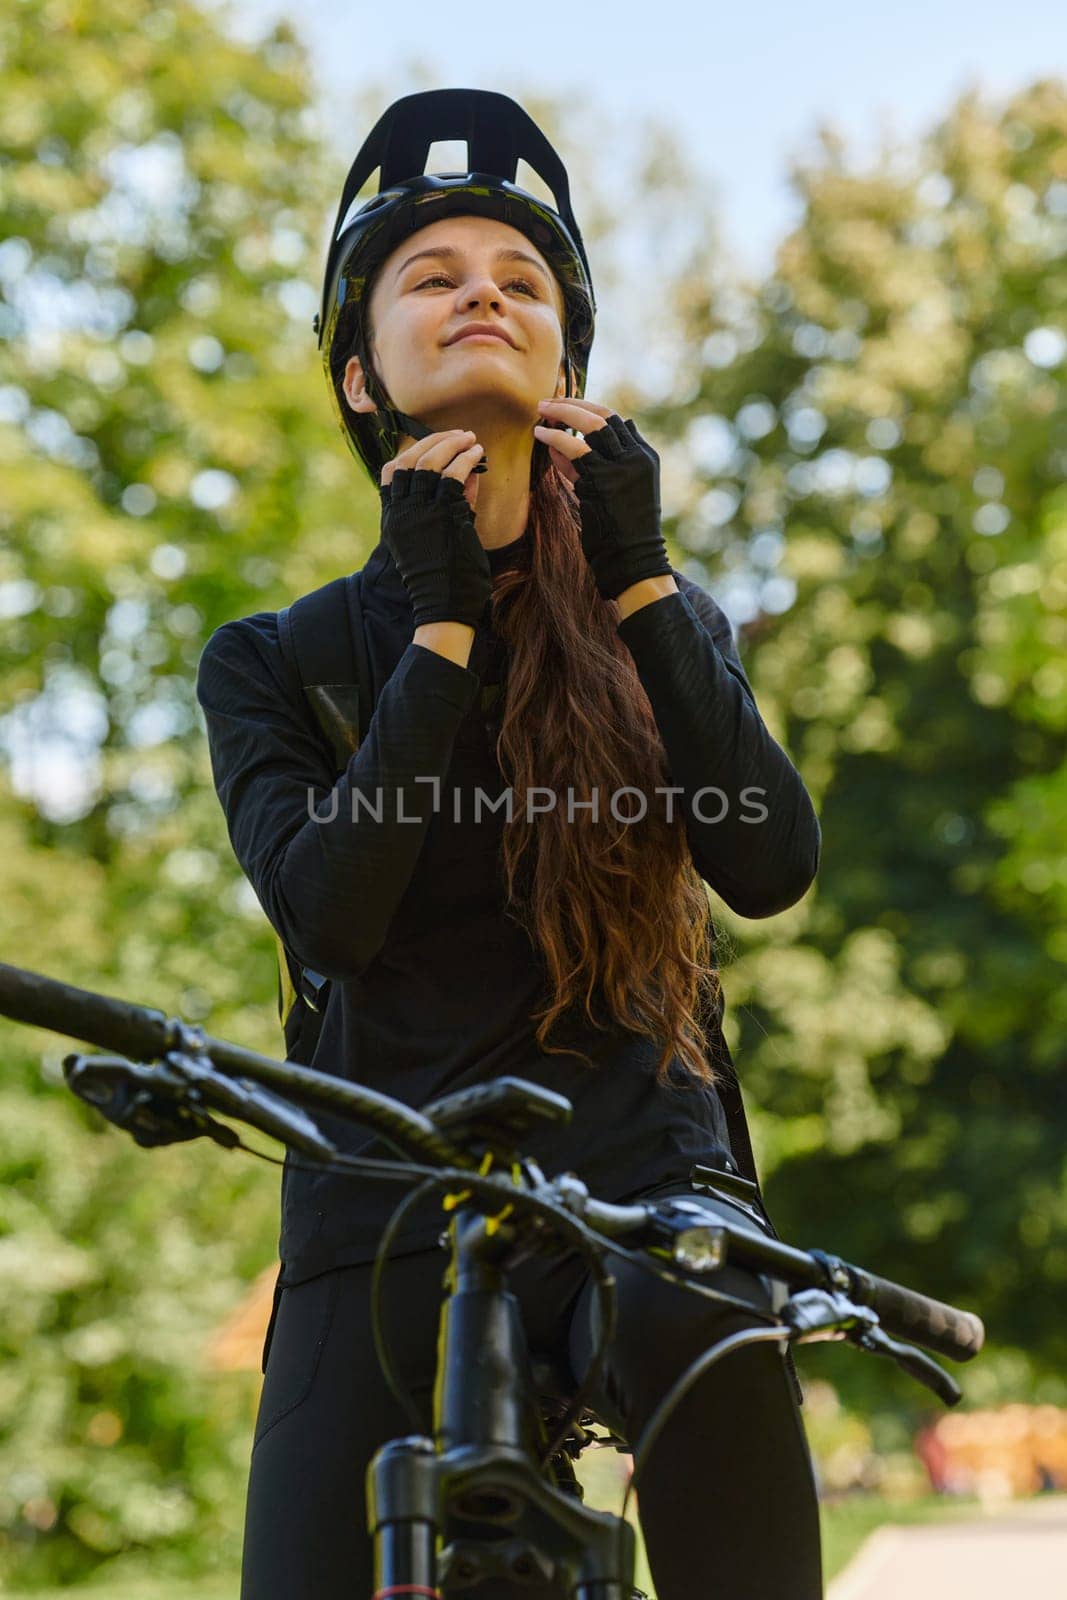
<point x="153" y="1104"/>
<point x="830" y="1314"/>
<point x="281" y="1119"/>
<point x="165" y="1103"/>
<point x="915" y="1362"/>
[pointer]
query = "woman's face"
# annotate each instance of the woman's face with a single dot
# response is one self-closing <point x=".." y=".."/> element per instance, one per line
<point x="443" y="277"/>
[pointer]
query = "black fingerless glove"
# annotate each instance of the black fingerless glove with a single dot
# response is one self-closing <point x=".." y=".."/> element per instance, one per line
<point x="617" y="485"/>
<point x="429" y="531"/>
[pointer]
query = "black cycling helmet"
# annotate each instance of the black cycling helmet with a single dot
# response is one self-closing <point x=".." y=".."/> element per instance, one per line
<point x="498" y="132"/>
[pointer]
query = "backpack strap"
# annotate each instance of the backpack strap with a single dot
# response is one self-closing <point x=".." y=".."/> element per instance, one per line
<point x="321" y="635"/>
<point x="322" y="640"/>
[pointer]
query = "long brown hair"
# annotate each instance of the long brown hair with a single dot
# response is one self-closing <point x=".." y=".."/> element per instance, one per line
<point x="617" y="908"/>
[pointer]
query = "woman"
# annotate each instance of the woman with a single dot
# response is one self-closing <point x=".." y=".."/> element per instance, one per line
<point x="528" y="637"/>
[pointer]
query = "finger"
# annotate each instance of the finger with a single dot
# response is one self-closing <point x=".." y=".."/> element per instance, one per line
<point x="572" y="412"/>
<point x="562" y="465"/>
<point x="565" y="443"/>
<point x="416" y="451"/>
<point x="462" y="465"/>
<point x="436" y="452"/>
<point x="573" y="400"/>
<point x="459" y="466"/>
<point x="412" y="451"/>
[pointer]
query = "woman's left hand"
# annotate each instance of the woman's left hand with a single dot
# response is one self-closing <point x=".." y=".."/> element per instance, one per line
<point x="615" y="474"/>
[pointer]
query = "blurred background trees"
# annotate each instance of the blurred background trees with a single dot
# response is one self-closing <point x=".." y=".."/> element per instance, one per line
<point x="880" y="436"/>
<point x="863" y="459"/>
<point x="166" y="464"/>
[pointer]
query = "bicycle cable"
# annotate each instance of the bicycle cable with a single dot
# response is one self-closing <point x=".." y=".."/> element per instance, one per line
<point x="588" y="1242"/>
<point x="609" y="1313"/>
<point x="564" y="1220"/>
<point x="592" y="1246"/>
<point x="657" y="1421"/>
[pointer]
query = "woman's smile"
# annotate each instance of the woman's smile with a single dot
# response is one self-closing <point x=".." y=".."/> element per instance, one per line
<point x="497" y="338"/>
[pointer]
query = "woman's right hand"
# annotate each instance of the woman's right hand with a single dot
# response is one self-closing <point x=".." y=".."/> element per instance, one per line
<point x="428" y="528"/>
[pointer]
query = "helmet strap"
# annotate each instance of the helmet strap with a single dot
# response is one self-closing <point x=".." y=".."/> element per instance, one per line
<point x="403" y="423"/>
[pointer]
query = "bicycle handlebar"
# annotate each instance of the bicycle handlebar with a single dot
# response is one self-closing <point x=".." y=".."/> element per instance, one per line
<point x="957" y="1334"/>
<point x="941" y="1327"/>
<point x="120" y="1025"/>
<point x="148" y="1034"/>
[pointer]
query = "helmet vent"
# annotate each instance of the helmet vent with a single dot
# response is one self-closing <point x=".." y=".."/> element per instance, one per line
<point x="533" y="183"/>
<point x="448" y="158"/>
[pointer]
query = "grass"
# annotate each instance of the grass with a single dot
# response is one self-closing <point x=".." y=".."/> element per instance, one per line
<point x="846" y="1524"/>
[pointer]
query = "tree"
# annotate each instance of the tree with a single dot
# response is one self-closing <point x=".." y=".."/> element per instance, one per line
<point x="165" y="466"/>
<point x="880" y="431"/>
<point x="170" y="461"/>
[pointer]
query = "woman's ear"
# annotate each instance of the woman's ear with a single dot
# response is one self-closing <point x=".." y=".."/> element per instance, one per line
<point x="354" y="388"/>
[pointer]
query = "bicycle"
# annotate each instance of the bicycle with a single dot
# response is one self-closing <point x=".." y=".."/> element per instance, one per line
<point x="493" y="1492"/>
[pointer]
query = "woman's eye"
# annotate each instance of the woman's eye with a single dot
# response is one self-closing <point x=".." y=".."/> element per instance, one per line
<point x="442" y="277"/>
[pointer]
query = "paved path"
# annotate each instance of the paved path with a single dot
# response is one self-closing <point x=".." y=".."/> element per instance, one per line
<point x="1019" y="1552"/>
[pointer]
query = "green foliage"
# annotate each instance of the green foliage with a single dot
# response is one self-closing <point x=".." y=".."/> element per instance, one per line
<point x="890" y="421"/>
<point x="883" y="427"/>
<point x="165" y="467"/>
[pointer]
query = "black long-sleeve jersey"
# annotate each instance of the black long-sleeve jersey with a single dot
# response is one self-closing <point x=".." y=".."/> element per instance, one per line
<point x="386" y="881"/>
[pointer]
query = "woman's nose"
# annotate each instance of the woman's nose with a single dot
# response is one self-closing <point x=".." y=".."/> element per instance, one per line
<point x="485" y="292"/>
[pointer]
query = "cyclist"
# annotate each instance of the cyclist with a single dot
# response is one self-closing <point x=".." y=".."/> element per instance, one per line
<point x="526" y="634"/>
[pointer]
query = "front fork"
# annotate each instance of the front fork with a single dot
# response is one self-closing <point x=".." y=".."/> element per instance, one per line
<point x="478" y="1487"/>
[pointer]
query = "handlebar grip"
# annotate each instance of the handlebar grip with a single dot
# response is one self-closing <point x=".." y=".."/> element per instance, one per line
<point x="119" y="1025"/>
<point x="944" y="1328"/>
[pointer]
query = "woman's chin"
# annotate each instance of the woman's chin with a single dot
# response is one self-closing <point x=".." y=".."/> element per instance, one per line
<point x="486" y="398"/>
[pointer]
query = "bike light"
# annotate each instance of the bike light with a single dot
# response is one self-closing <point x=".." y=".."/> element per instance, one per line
<point x="701" y="1248"/>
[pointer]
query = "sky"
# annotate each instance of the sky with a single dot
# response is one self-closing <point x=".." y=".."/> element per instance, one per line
<point x="744" y="86"/>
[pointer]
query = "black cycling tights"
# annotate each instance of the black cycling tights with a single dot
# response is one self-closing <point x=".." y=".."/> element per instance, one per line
<point x="726" y="1501"/>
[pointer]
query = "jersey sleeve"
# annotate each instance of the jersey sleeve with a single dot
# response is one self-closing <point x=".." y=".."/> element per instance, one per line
<point x="328" y="873"/>
<point x="752" y="828"/>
